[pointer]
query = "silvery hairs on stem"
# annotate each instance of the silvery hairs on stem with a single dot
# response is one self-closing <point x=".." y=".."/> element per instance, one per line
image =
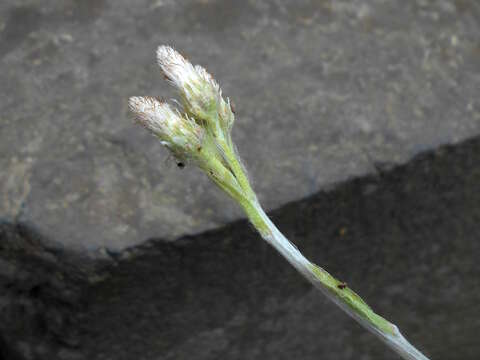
<point x="198" y="132"/>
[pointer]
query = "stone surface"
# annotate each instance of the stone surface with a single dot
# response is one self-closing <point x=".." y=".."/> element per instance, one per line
<point x="324" y="90"/>
<point x="406" y="240"/>
<point x="335" y="99"/>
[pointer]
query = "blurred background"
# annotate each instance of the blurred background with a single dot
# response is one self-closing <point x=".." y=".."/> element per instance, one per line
<point x="358" y="121"/>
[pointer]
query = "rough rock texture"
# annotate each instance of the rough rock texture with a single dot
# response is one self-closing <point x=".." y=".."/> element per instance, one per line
<point x="335" y="99"/>
<point x="324" y="91"/>
<point x="406" y="239"/>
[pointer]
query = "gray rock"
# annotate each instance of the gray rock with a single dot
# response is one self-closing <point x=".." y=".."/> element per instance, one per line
<point x="335" y="100"/>
<point x="407" y="241"/>
<point x="325" y="91"/>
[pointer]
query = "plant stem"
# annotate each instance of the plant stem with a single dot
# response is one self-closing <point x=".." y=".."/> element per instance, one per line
<point x="237" y="168"/>
<point x="334" y="289"/>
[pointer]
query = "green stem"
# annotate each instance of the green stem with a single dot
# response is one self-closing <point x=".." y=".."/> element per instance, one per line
<point x="230" y="175"/>
<point x="237" y="168"/>
<point x="334" y="289"/>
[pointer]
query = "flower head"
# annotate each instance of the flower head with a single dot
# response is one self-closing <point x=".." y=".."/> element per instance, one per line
<point x="176" y="131"/>
<point x="180" y="71"/>
<point x="201" y="94"/>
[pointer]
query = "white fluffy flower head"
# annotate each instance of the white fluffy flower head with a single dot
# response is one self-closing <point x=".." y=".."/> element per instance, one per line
<point x="177" y="132"/>
<point x="201" y="94"/>
<point x="181" y="72"/>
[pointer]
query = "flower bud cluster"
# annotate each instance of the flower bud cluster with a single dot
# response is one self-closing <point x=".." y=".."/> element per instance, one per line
<point x="202" y="131"/>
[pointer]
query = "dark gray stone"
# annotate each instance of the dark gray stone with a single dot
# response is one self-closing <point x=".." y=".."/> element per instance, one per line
<point x="335" y="100"/>
<point x="406" y="239"/>
<point x="325" y="91"/>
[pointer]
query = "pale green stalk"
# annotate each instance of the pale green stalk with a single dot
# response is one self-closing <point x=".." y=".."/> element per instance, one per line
<point x="201" y="134"/>
<point x="335" y="290"/>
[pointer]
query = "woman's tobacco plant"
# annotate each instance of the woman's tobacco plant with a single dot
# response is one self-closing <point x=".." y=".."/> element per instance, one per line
<point x="198" y="131"/>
